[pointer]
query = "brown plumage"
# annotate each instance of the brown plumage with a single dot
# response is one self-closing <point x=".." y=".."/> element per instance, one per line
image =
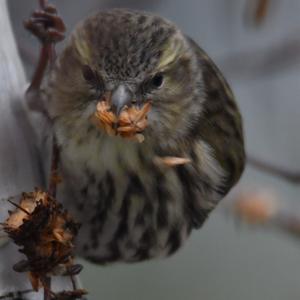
<point x="131" y="207"/>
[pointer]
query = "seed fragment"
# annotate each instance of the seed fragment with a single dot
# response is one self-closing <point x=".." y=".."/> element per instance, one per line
<point x="130" y="124"/>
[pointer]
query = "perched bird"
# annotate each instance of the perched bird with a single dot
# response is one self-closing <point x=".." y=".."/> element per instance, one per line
<point x="130" y="207"/>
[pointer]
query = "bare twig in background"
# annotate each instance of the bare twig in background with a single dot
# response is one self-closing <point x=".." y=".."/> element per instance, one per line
<point x="256" y="207"/>
<point x="256" y="12"/>
<point x="243" y="65"/>
<point x="261" y="11"/>
<point x="272" y="60"/>
<point x="261" y="209"/>
<point x="283" y="173"/>
<point x="54" y="176"/>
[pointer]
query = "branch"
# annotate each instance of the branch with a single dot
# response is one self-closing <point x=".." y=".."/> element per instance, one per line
<point x="276" y="58"/>
<point x="261" y="11"/>
<point x="21" y="145"/>
<point x="256" y="12"/>
<point x="261" y="208"/>
<point x="283" y="173"/>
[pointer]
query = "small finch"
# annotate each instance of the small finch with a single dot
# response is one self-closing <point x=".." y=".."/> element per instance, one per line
<point x="149" y="133"/>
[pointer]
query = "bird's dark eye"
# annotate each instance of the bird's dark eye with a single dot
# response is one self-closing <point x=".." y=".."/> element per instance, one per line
<point x="157" y="81"/>
<point x="153" y="83"/>
<point x="92" y="77"/>
<point x="94" y="80"/>
<point x="88" y="74"/>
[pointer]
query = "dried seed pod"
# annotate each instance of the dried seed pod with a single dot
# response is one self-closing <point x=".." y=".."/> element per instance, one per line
<point x="45" y="233"/>
<point x="255" y="207"/>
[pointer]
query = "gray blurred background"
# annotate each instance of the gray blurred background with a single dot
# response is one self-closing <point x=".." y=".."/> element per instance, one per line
<point x="224" y="260"/>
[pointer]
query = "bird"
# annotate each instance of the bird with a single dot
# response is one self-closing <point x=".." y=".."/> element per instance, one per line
<point x="131" y="208"/>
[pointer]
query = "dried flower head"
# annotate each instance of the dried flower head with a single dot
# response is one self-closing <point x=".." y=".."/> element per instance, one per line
<point x="45" y="232"/>
<point x="255" y="208"/>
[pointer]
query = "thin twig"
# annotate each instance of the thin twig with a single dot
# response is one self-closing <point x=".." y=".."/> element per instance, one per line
<point x="278" y="57"/>
<point x="284" y="173"/>
<point x="47" y="55"/>
<point x="18" y="206"/>
<point x="288" y="223"/>
<point x="54" y="169"/>
<point x="73" y="281"/>
<point x="47" y="288"/>
<point x="261" y="10"/>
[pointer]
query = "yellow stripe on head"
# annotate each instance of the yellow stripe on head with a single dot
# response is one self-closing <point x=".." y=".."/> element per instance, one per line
<point x="82" y="47"/>
<point x="173" y="50"/>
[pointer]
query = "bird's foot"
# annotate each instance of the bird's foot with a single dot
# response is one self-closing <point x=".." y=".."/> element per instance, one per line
<point x="46" y="25"/>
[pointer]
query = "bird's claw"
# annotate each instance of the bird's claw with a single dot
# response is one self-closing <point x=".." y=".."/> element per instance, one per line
<point x="46" y="25"/>
<point x="74" y="270"/>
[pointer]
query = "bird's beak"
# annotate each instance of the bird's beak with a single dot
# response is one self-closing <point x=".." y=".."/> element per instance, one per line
<point x="120" y="97"/>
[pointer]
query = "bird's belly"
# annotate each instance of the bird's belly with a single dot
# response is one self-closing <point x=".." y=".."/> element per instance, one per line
<point x="130" y="224"/>
<point x="113" y="240"/>
<point x="129" y="212"/>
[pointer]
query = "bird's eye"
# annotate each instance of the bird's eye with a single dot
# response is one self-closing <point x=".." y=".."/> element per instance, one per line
<point x="92" y="77"/>
<point x="88" y="74"/>
<point x="157" y="81"/>
<point x="94" y="80"/>
<point x="153" y="83"/>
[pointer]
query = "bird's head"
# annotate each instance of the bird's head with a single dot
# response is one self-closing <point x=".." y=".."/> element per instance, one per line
<point x="135" y="58"/>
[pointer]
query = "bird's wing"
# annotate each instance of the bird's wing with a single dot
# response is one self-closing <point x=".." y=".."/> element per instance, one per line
<point x="218" y="143"/>
<point x="221" y="124"/>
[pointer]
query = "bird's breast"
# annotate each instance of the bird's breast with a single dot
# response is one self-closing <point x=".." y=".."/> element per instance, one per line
<point x="130" y="210"/>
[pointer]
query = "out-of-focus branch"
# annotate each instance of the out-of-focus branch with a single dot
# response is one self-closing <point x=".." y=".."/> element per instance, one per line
<point x="261" y="209"/>
<point x="261" y="11"/>
<point x="274" y="59"/>
<point x="256" y="12"/>
<point x="283" y="173"/>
